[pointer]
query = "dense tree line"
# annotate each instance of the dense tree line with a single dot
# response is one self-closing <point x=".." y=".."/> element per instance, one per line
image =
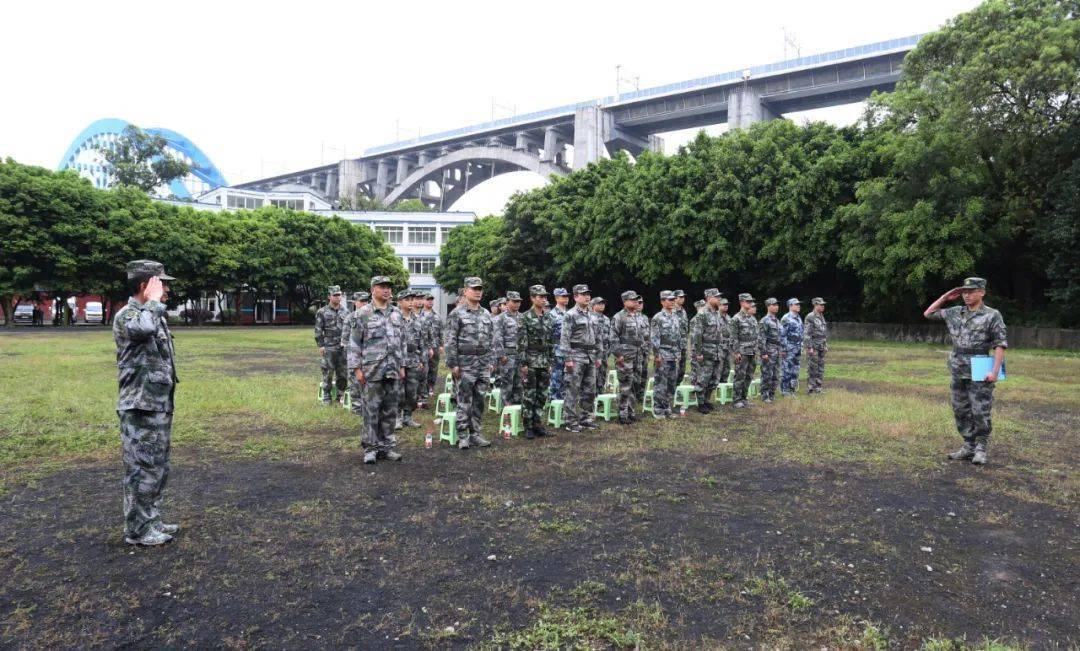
<point x="970" y="166"/>
<point x="60" y="234"/>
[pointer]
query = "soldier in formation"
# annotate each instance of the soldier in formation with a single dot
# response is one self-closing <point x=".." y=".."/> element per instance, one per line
<point x="746" y="343"/>
<point x="603" y="340"/>
<point x="667" y="344"/>
<point x="580" y="348"/>
<point x="975" y="329"/>
<point x="417" y="352"/>
<point x="359" y="299"/>
<point x="684" y="325"/>
<point x="770" y="350"/>
<point x="562" y="298"/>
<point x="434" y="325"/>
<point x="816" y="336"/>
<point x="791" y="343"/>
<point x="329" y="324"/>
<point x="536" y="337"/>
<point x="146" y="373"/>
<point x="471" y="352"/>
<point x="627" y="334"/>
<point x="707" y="342"/>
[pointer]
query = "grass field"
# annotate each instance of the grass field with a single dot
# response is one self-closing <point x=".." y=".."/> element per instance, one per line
<point x="799" y="524"/>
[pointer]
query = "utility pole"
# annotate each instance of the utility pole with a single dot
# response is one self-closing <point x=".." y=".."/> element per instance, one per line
<point x="512" y="110"/>
<point x="619" y="79"/>
<point x="790" y="41"/>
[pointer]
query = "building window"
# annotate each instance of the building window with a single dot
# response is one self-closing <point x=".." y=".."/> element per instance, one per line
<point x="423" y="266"/>
<point x="392" y="234"/>
<point x="240" y="201"/>
<point x="291" y="204"/>
<point x="421" y="235"/>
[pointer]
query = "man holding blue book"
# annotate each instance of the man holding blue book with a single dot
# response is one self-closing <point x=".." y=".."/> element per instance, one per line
<point x="976" y="329"/>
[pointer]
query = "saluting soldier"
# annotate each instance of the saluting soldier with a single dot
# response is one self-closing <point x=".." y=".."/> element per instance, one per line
<point x="707" y="339"/>
<point x="975" y="329"/>
<point x="507" y="325"/>
<point x="329" y="323"/>
<point x="359" y="299"/>
<point x="816" y="335"/>
<point x="146" y="373"/>
<point x="603" y="341"/>
<point x="535" y="340"/>
<point x="376" y="357"/>
<point x="667" y="341"/>
<point x="791" y="342"/>
<point x="770" y="352"/>
<point x="579" y="344"/>
<point x="746" y="342"/>
<point x="626" y="336"/>
<point x="471" y="351"/>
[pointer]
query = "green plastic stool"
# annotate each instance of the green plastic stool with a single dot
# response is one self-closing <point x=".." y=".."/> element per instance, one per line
<point x="553" y="413"/>
<point x="494" y="398"/>
<point x="685" y="396"/>
<point x="605" y="405"/>
<point x="348" y="399"/>
<point x="647" y="403"/>
<point x="448" y="386"/>
<point x="612" y="383"/>
<point x="723" y="393"/>
<point x="448" y="427"/>
<point x="442" y="403"/>
<point x="511" y="420"/>
<point x="754" y="389"/>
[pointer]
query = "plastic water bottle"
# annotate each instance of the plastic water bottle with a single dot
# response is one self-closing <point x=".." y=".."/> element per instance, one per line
<point x="427" y="439"/>
<point x="506" y="427"/>
<point x="682" y="412"/>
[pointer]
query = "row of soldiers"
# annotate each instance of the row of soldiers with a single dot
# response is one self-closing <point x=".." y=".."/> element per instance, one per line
<point x="551" y="353"/>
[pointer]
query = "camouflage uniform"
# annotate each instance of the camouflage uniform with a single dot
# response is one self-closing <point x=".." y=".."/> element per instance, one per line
<point x="415" y="339"/>
<point x="707" y="340"/>
<point x="507" y="326"/>
<point x="579" y="343"/>
<point x="558" y="365"/>
<point x="973" y="332"/>
<point x="684" y="328"/>
<point x="816" y="336"/>
<point x="746" y="341"/>
<point x="329" y="323"/>
<point x="146" y="371"/>
<point x="770" y="368"/>
<point x="726" y="349"/>
<point x="791" y="341"/>
<point x="472" y="347"/>
<point x="626" y="336"/>
<point x="356" y="392"/>
<point x="377" y="347"/>
<point x="603" y="344"/>
<point x="641" y="369"/>
<point x="536" y="339"/>
<point x="435" y="334"/>
<point x="667" y="341"/>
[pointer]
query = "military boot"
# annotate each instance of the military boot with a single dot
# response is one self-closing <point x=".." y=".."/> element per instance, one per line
<point x="393" y="455"/>
<point x="966" y="451"/>
<point x="411" y="422"/>
<point x="703" y="408"/>
<point x="463" y="442"/>
<point x="169" y="529"/>
<point x="371" y="456"/>
<point x="980" y="454"/>
<point x="151" y="538"/>
<point x="480" y="441"/>
<point x="530" y="433"/>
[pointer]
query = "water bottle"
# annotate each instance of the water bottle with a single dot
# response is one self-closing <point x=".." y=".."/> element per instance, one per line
<point x="682" y="412"/>
<point x="427" y="439"/>
<point x="506" y="426"/>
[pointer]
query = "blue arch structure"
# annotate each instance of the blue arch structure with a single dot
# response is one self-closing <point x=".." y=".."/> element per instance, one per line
<point x="201" y="166"/>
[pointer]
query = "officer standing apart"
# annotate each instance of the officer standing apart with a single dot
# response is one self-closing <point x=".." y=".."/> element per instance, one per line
<point x="146" y="371"/>
<point x="771" y="350"/>
<point x="626" y="336"/>
<point x="707" y="342"/>
<point x="746" y="342"/>
<point x="471" y="351"/>
<point x="376" y="358"/>
<point x="580" y="349"/>
<point x="329" y="324"/>
<point x="791" y="342"/>
<point x="975" y="329"/>
<point x="562" y="298"/>
<point x="816" y="334"/>
<point x="535" y="339"/>
<point x="667" y="340"/>
<point x="507" y="326"/>
<point x="603" y="341"/>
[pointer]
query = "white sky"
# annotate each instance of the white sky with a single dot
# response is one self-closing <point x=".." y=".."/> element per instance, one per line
<point x="271" y="87"/>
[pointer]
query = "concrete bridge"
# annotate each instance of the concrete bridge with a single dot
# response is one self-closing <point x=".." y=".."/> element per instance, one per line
<point x="440" y="167"/>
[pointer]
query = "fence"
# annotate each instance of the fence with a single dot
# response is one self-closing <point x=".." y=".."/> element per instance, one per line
<point x="1019" y="336"/>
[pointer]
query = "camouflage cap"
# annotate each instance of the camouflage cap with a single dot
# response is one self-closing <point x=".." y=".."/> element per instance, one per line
<point x="405" y="293"/>
<point x="974" y="283"/>
<point x="679" y="293"/>
<point x="818" y="301"/>
<point x="361" y="296"/>
<point x="629" y="295"/>
<point x="712" y="291"/>
<point x="538" y="290"/>
<point x="429" y="296"/>
<point x="745" y="296"/>
<point x="381" y="280"/>
<point x="512" y="296"/>
<point x="770" y="301"/>
<point x="561" y="291"/>
<point x="723" y="301"/>
<point x="581" y="288"/>
<point x="700" y="303"/>
<point x="147" y="269"/>
<point x="597" y="300"/>
<point x="793" y="301"/>
<point x="667" y="295"/>
<point x="474" y="281"/>
<point x="333" y="290"/>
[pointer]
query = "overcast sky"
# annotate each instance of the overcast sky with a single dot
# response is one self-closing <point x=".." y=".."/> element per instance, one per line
<point x="269" y="87"/>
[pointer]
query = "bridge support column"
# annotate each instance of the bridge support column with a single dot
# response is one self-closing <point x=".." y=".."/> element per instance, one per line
<point x="551" y="145"/>
<point x="350" y="174"/>
<point x="403" y="169"/>
<point x="745" y="108"/>
<point x="382" y="179"/>
<point x="589" y="135"/>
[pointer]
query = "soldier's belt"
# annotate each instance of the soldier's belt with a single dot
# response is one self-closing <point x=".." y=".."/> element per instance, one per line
<point x="969" y="351"/>
<point x="589" y="347"/>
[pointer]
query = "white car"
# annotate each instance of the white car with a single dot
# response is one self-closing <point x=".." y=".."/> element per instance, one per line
<point x="93" y="312"/>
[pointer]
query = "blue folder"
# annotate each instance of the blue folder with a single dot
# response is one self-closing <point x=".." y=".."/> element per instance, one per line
<point x="983" y="364"/>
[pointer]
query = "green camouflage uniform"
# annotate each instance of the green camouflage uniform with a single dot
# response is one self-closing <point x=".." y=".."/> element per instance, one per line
<point x="641" y="370"/>
<point x="627" y="334"/>
<point x="816" y="337"/>
<point x="507" y="327"/>
<point x="146" y="370"/>
<point x="435" y="337"/>
<point x="745" y="340"/>
<point x="536" y="338"/>
<point x="770" y="368"/>
<point x="377" y="347"/>
<point x="471" y="346"/>
<point x="707" y="340"/>
<point x="356" y="392"/>
<point x="579" y="343"/>
<point x="602" y="323"/>
<point x="415" y="339"/>
<point x="684" y="329"/>
<point x="667" y="344"/>
<point x="973" y="332"/>
<point x="329" y="324"/>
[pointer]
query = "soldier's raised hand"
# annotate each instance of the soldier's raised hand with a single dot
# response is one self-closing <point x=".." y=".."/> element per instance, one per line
<point x="154" y="290"/>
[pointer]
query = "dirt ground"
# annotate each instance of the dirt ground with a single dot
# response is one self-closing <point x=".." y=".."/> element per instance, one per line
<point x="334" y="553"/>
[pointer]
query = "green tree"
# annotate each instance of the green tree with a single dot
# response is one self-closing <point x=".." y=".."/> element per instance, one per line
<point x="475" y="250"/>
<point x="141" y="160"/>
